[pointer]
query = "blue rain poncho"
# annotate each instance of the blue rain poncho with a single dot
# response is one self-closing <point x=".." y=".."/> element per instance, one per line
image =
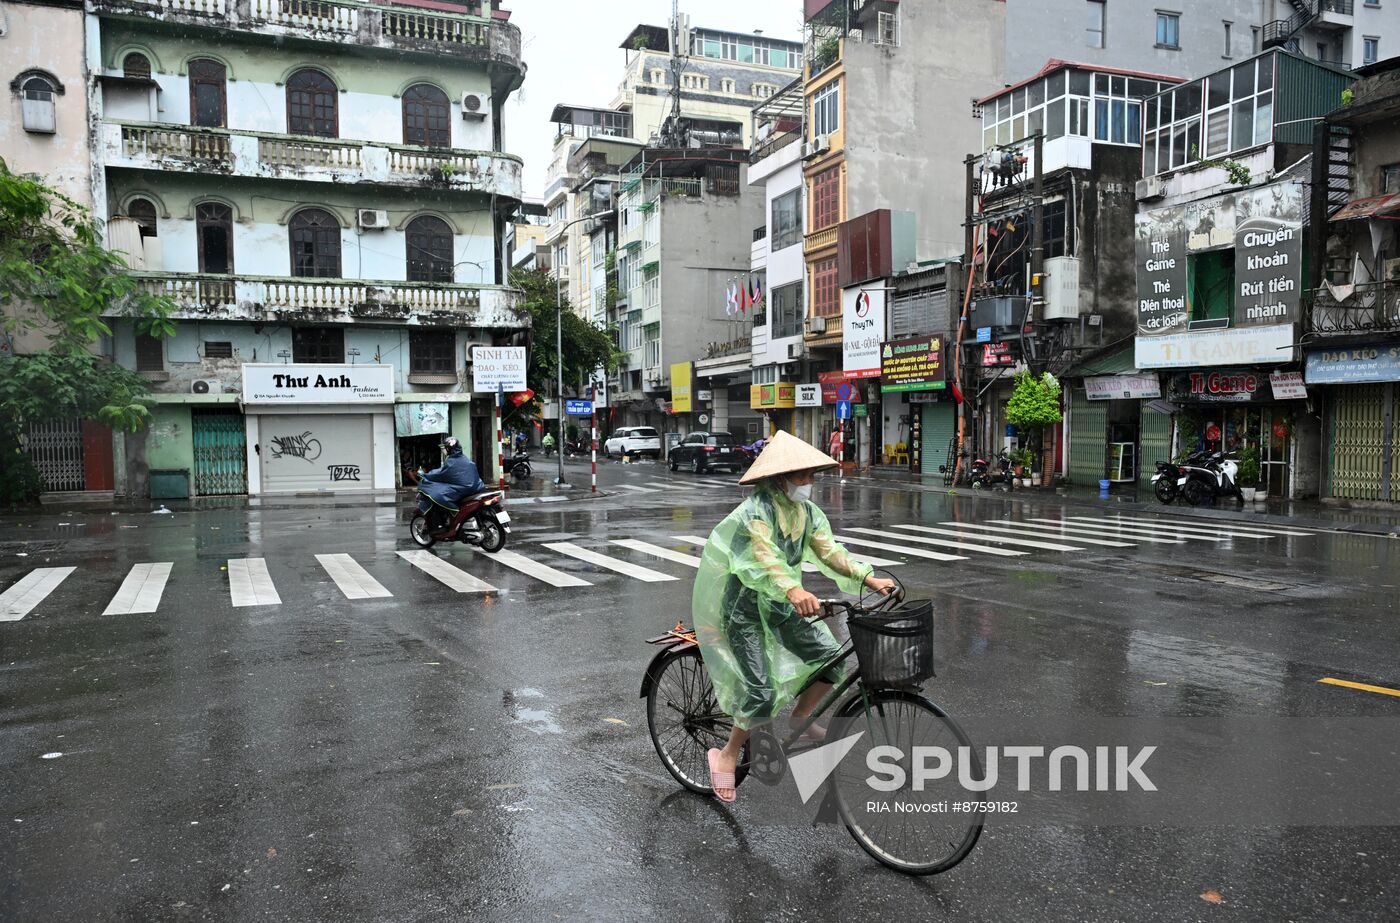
<point x="759" y="652"/>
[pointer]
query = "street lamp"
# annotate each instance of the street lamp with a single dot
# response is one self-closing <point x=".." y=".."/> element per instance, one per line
<point x="559" y="345"/>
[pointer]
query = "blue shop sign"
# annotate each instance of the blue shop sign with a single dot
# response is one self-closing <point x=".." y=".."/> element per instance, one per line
<point x="1352" y="365"/>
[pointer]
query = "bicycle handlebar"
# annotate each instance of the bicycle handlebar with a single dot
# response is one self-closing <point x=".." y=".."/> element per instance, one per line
<point x="833" y="607"/>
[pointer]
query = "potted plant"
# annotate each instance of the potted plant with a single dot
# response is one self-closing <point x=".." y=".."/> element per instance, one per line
<point x="1034" y="405"/>
<point x="1022" y="461"/>
<point x="1249" y="473"/>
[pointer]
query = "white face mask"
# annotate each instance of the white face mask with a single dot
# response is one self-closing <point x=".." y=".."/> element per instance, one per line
<point x="798" y="493"/>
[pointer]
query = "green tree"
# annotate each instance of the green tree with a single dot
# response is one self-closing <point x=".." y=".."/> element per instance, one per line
<point x="59" y="283"/>
<point x="1034" y="404"/>
<point x="586" y="347"/>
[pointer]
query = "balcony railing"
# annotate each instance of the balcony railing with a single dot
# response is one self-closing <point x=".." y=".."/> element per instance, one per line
<point x="257" y="154"/>
<point x="489" y="40"/>
<point x="1371" y="306"/>
<point x="207" y="296"/>
<point x="819" y="239"/>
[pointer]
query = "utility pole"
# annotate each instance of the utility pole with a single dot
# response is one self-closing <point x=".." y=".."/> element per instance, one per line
<point x="559" y="346"/>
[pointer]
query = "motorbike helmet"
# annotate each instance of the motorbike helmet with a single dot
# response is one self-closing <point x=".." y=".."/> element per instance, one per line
<point x="452" y="446"/>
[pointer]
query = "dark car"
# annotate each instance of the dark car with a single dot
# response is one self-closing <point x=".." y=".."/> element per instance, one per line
<point x="707" y="452"/>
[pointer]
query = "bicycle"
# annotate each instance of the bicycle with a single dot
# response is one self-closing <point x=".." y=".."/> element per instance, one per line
<point x="887" y="707"/>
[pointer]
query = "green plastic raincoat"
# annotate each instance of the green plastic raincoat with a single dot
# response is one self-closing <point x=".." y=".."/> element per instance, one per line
<point x="759" y="652"/>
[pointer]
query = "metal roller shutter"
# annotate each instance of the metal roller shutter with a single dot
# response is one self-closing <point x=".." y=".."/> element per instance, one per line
<point x="1154" y="443"/>
<point x="317" y="452"/>
<point x="1088" y="437"/>
<point x="1358" y="442"/>
<point x="939" y="427"/>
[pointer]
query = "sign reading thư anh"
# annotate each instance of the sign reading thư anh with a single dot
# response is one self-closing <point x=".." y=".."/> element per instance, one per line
<point x="912" y="365"/>
<point x="318" y="384"/>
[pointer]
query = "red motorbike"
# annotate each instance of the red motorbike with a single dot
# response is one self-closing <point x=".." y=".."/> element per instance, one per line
<point x="480" y="521"/>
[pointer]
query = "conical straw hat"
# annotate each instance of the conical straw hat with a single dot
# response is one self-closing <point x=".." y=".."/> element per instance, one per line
<point x="784" y="454"/>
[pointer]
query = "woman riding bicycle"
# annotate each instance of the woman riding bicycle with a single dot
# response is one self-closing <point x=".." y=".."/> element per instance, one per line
<point x="752" y="617"/>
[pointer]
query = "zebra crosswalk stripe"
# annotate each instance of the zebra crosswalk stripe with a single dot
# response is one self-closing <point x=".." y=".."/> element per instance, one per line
<point x="671" y="485"/>
<point x="635" y="488"/>
<point x="635" y="571"/>
<point x="453" y="578"/>
<point x="1206" y="527"/>
<point x="808" y="568"/>
<point x="30" y="590"/>
<point x="140" y="592"/>
<point x="249" y="583"/>
<point x="689" y="560"/>
<point x="996" y="539"/>
<point x="912" y="552"/>
<point x="1233" y="524"/>
<point x="1079" y="527"/>
<point x="533" y="568"/>
<point x="1130" y="529"/>
<point x="354" y="581"/>
<point x="1025" y="528"/>
<point x="948" y="543"/>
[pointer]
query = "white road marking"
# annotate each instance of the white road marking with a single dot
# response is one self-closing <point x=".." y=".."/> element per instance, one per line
<point x="249" y="583"/>
<point x="689" y="560"/>
<point x="912" y="552"/>
<point x="141" y="590"/>
<point x="453" y="578"/>
<point x="1079" y="527"/>
<point x="1020" y="528"/>
<point x="354" y="581"/>
<point x="672" y="485"/>
<point x="30" y="590"/>
<point x="997" y="539"/>
<point x="634" y="487"/>
<point x="1235" y="523"/>
<point x="716" y="485"/>
<point x="1209" y="527"/>
<point x="626" y="568"/>
<point x="946" y="543"/>
<point x="808" y="568"/>
<point x="533" y="568"/>
<point x="1128" y="528"/>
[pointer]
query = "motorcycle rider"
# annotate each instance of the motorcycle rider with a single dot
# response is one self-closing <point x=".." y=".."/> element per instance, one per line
<point x="548" y="443"/>
<point x="449" y="485"/>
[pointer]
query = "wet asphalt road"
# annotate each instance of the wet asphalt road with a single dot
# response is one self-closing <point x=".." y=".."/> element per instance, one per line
<point x="432" y="755"/>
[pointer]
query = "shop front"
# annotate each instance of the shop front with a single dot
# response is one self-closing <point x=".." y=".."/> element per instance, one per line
<point x="1361" y="455"/>
<point x="775" y="402"/>
<point x="914" y="391"/>
<point x="319" y="427"/>
<point x="1236" y="409"/>
<point x="1117" y="431"/>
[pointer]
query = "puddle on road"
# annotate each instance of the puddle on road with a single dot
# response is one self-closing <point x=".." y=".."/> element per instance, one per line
<point x="540" y="720"/>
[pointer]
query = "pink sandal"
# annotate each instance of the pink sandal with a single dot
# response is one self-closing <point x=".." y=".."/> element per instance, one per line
<point x="721" y="780"/>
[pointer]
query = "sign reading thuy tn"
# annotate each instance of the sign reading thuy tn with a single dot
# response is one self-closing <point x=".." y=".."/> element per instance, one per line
<point x="498" y="367"/>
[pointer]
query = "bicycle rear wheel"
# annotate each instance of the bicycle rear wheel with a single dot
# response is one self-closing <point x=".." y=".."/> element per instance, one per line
<point x="896" y="827"/>
<point x="685" y="721"/>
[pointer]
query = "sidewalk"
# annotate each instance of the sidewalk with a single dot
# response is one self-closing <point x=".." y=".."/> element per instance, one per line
<point x="1303" y="513"/>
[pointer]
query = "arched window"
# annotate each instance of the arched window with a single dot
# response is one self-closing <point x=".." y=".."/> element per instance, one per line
<point x="136" y="66"/>
<point x="39" y="89"/>
<point x="429" y="250"/>
<point x="311" y="104"/>
<point x="208" y="100"/>
<point x="213" y="222"/>
<point x="427" y="118"/>
<point x="315" y="237"/>
<point x="40" y="114"/>
<point x="143" y="212"/>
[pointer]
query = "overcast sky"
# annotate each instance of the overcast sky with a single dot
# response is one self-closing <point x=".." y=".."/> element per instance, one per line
<point x="574" y="56"/>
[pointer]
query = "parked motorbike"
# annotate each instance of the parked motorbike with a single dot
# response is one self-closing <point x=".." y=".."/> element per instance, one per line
<point x="519" y="466"/>
<point x="1201" y="483"/>
<point x="480" y="521"/>
<point x="982" y="476"/>
<point x="1168" y="473"/>
<point x="577" y="447"/>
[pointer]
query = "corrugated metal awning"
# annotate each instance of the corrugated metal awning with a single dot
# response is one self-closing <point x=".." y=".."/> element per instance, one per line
<point x="1119" y="362"/>
<point x="1381" y="206"/>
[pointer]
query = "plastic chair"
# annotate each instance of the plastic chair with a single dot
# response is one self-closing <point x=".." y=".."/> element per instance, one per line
<point x="901" y="454"/>
<point x="889" y="454"/>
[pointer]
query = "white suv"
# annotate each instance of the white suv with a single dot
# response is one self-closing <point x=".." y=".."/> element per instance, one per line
<point x="633" y="440"/>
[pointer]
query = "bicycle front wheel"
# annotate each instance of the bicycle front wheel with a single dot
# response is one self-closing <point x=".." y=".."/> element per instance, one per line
<point x="685" y="721"/>
<point x="902" y="828"/>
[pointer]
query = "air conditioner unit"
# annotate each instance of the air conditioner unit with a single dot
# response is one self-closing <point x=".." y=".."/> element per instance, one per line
<point x="372" y="218"/>
<point x="206" y="386"/>
<point x="474" y="106"/>
<point x="1150" y="187"/>
<point x="816" y="325"/>
<point x="794" y="350"/>
<point x="818" y="145"/>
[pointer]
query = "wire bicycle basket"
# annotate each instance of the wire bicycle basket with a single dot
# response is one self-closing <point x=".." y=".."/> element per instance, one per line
<point x="894" y="647"/>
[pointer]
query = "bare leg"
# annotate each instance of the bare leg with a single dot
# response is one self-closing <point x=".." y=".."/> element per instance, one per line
<point x="806" y="702"/>
<point x="729" y="756"/>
